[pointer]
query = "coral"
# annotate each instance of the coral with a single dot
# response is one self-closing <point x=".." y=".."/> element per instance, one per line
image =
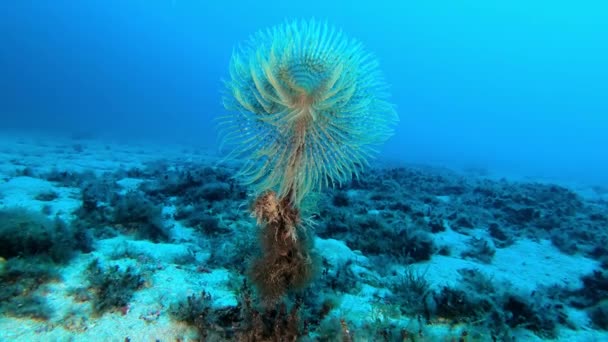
<point x="308" y="105"/>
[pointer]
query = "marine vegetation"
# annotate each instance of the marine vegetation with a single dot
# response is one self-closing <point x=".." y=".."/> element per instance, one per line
<point x="112" y="287"/>
<point x="307" y="107"/>
<point x="28" y="233"/>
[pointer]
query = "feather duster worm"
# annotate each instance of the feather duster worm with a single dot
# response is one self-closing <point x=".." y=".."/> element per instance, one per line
<point x="307" y="105"/>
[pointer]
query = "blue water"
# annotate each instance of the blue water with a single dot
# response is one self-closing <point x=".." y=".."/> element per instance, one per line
<point x="515" y="86"/>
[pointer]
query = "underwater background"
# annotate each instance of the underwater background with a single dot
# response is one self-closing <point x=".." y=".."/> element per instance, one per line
<point x="515" y="85"/>
<point x="483" y="217"/>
